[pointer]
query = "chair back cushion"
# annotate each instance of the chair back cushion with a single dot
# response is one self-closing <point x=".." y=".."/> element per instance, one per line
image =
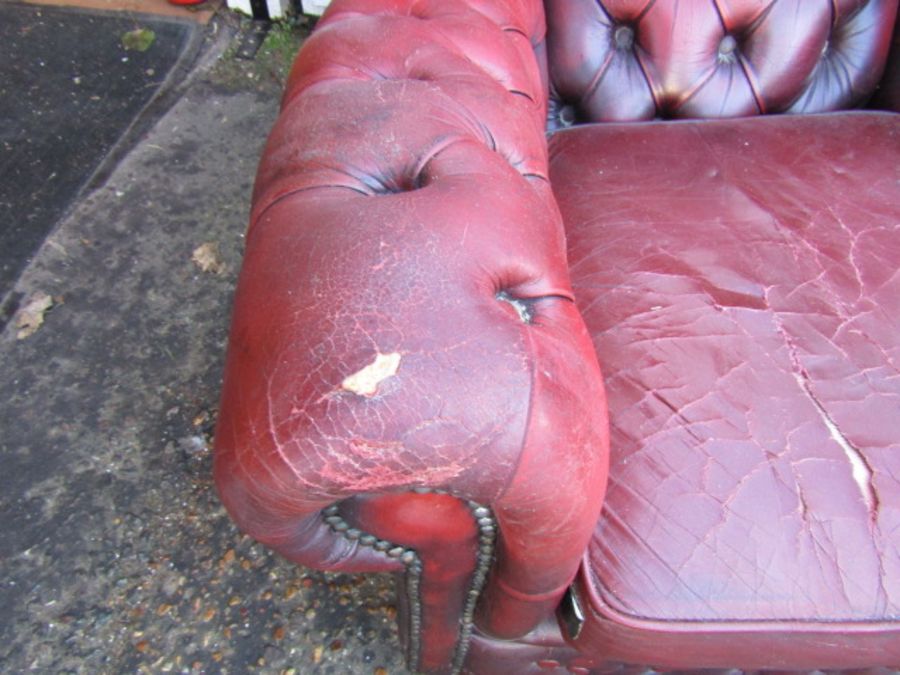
<point x="621" y="60"/>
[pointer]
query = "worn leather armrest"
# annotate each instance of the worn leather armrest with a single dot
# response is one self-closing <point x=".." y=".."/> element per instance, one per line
<point x="403" y="319"/>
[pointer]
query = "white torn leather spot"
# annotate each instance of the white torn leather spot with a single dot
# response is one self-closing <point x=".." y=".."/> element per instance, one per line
<point x="365" y="382"/>
<point x="859" y="469"/>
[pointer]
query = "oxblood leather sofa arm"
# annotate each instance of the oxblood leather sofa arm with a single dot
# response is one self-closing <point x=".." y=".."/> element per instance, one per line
<point x="408" y="381"/>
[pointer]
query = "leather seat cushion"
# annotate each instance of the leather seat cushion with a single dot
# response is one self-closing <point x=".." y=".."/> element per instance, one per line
<point x="740" y="281"/>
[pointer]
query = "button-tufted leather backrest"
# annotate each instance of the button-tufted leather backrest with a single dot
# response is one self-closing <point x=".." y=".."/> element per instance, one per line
<point x="620" y="60"/>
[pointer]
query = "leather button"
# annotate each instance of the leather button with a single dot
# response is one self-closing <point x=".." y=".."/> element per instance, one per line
<point x="727" y="46"/>
<point x="624" y="37"/>
<point x="567" y="115"/>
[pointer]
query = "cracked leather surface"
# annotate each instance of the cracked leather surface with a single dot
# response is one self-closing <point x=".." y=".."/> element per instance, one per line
<point x="620" y="60"/>
<point x="740" y="281"/>
<point x="404" y="316"/>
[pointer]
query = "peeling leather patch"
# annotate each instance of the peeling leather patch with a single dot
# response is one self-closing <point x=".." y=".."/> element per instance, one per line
<point x="365" y="382"/>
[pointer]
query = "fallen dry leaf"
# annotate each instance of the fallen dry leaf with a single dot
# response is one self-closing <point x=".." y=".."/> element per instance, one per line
<point x="31" y="316"/>
<point x="206" y="256"/>
<point x="138" y="39"/>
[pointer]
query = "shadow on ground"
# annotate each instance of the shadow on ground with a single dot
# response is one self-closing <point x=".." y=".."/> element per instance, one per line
<point x="115" y="554"/>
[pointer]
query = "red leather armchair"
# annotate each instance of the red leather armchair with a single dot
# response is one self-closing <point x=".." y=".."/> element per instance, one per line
<point x="412" y="382"/>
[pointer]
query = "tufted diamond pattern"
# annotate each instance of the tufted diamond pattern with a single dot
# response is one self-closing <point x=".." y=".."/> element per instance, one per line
<point x="621" y="60"/>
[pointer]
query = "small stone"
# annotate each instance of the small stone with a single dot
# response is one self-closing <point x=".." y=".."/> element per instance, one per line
<point x="194" y="446"/>
<point x="278" y="633"/>
<point x="317" y="653"/>
<point x="142" y="646"/>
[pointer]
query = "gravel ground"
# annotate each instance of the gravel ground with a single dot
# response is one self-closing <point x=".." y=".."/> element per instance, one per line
<point x="115" y="553"/>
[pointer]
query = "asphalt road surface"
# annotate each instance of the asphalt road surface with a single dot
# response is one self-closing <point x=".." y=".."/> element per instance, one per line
<point x="115" y="553"/>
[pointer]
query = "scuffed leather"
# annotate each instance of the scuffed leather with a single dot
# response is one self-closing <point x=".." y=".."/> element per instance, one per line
<point x="402" y="215"/>
<point x="621" y="60"/>
<point x="740" y="280"/>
